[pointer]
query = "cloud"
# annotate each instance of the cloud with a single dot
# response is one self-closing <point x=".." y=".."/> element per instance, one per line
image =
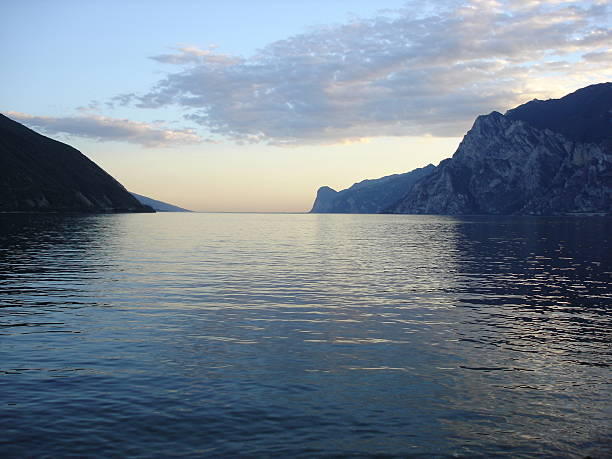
<point x="194" y="55"/>
<point x="603" y="56"/>
<point x="102" y="128"/>
<point x="414" y="71"/>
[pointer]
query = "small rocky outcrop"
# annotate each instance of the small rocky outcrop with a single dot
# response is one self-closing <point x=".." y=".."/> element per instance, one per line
<point x="324" y="202"/>
<point x="39" y="174"/>
<point x="368" y="196"/>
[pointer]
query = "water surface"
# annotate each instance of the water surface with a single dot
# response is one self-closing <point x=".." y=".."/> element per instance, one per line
<point x="304" y="335"/>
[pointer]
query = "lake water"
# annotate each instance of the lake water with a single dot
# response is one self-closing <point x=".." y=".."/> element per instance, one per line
<point x="304" y="335"/>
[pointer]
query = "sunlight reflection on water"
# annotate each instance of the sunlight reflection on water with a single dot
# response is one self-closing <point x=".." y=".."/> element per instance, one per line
<point x="254" y="334"/>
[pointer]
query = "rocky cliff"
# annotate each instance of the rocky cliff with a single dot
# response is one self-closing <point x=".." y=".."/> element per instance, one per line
<point x="368" y="196"/>
<point x="39" y="174"/>
<point x="542" y="158"/>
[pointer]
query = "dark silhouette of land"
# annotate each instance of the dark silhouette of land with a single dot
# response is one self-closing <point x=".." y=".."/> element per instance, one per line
<point x="39" y="174"/>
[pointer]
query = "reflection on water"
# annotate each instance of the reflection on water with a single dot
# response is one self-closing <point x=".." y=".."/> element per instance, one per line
<point x="304" y="335"/>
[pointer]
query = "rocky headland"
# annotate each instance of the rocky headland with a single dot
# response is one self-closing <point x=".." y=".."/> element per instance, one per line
<point x="368" y="196"/>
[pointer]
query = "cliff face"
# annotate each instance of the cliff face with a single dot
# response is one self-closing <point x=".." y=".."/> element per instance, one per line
<point x="324" y="202"/>
<point x="39" y="174"/>
<point x="508" y="167"/>
<point x="542" y="158"/>
<point x="368" y="196"/>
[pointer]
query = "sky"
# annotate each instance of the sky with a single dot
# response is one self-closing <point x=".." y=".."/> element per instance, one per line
<point x="243" y="106"/>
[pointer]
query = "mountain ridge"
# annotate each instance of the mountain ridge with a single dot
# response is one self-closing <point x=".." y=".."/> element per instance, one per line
<point x="582" y="116"/>
<point x="39" y="174"/>
<point x="541" y="158"/>
<point x="370" y="195"/>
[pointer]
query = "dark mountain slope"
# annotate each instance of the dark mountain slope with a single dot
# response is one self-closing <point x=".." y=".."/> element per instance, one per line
<point x="582" y="116"/>
<point x="43" y="175"/>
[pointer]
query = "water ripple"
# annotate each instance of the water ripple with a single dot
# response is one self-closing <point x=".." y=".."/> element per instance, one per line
<point x="304" y="335"/>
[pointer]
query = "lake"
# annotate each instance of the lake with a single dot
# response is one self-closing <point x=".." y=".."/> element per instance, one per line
<point x="304" y="335"/>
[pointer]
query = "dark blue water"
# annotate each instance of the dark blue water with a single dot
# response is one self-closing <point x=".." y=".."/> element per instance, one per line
<point x="304" y="335"/>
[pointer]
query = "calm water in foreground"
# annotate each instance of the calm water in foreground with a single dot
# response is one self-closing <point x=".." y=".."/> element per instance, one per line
<point x="304" y="335"/>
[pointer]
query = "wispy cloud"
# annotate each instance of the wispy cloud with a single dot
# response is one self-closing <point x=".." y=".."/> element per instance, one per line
<point x="415" y="71"/>
<point x="102" y="128"/>
<point x="194" y="55"/>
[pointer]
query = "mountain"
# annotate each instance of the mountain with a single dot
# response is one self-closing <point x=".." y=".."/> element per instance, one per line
<point x="542" y="158"/>
<point x="158" y="206"/>
<point x="39" y="174"/>
<point x="550" y="157"/>
<point x="368" y="196"/>
<point x="582" y="116"/>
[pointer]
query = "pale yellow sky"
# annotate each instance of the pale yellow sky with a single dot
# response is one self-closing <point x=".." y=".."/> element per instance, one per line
<point x="244" y="178"/>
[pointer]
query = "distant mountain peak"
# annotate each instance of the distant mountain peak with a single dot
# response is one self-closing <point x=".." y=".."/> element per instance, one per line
<point x="326" y="190"/>
<point x="158" y="206"/>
